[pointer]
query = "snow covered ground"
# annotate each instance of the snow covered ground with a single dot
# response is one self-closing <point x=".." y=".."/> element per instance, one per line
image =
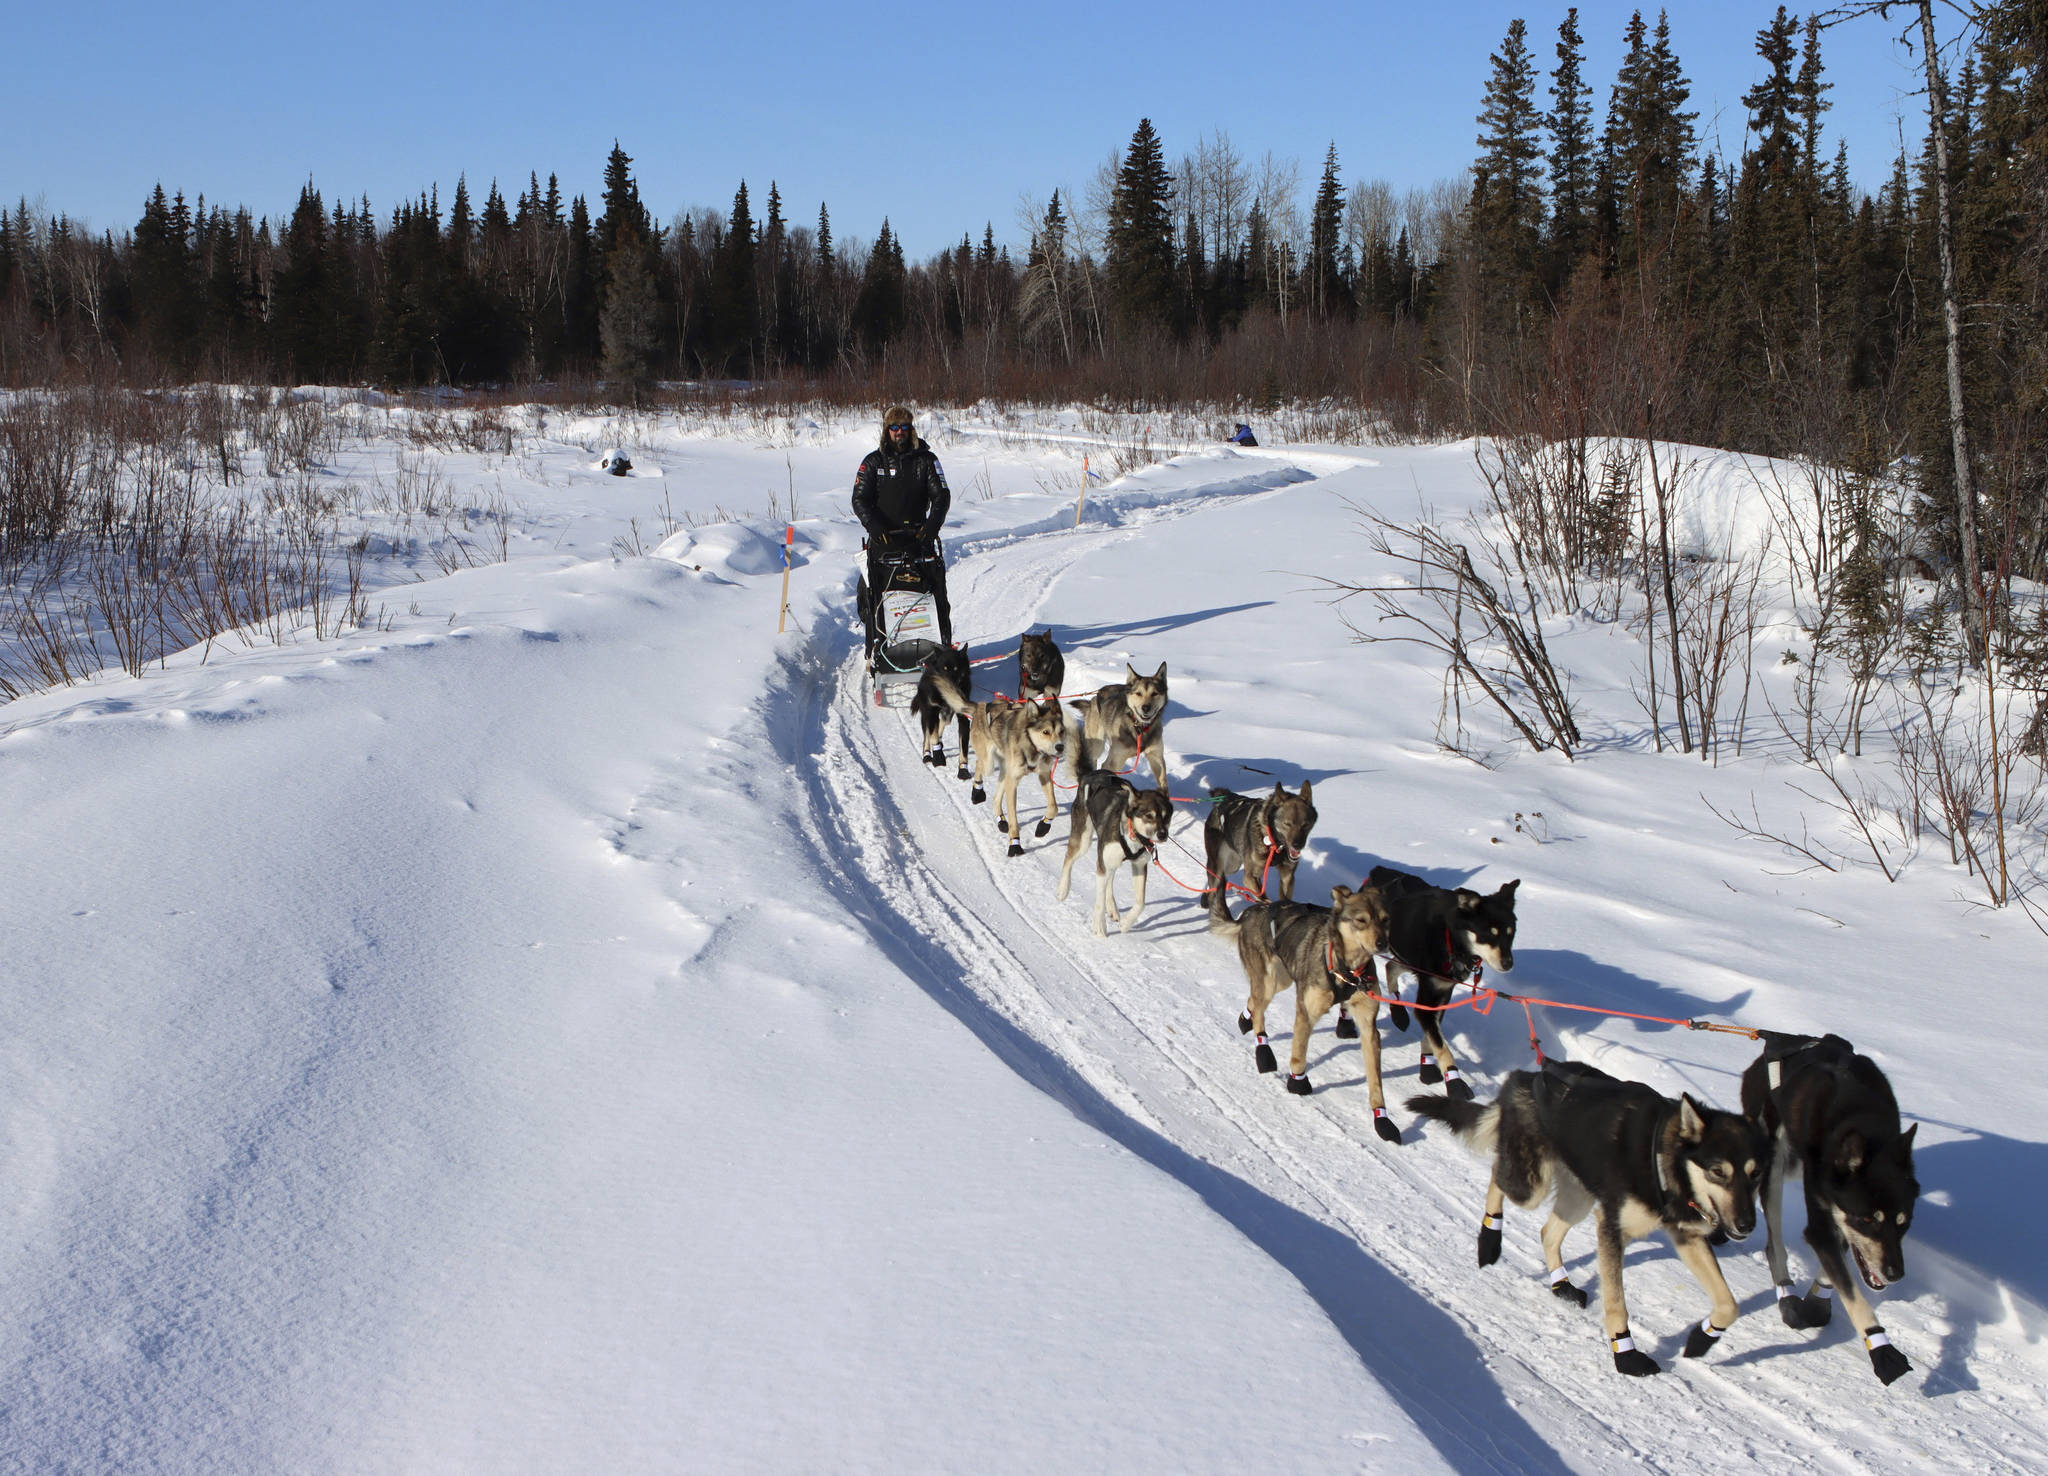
<point x="561" y="1025"/>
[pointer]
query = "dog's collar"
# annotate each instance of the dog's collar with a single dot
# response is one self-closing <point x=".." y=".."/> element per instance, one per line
<point x="1145" y="847"/>
<point x="1349" y="984"/>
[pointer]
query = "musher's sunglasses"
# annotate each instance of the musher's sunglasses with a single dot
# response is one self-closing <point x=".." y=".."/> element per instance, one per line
<point x="900" y="425"/>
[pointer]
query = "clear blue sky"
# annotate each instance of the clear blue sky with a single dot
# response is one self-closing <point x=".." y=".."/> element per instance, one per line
<point x="939" y="116"/>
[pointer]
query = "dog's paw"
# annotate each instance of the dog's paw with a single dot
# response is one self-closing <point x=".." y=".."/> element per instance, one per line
<point x="1263" y="1059"/>
<point x="1016" y="848"/>
<point x="1299" y="1085"/>
<point x="1806" y="1313"/>
<point x="961" y="773"/>
<point x="1431" y="1072"/>
<point x="1700" y="1341"/>
<point x="1384" y="1126"/>
<point x="1564" y="1291"/>
<point x="1634" y="1362"/>
<point x="1888" y="1363"/>
<point x="1489" y="1244"/>
<point x="980" y="795"/>
<point x="1457" y="1087"/>
<point x="1244" y="1022"/>
<point x="1044" y="829"/>
<point x="1347" y="1028"/>
<point x="1002" y="825"/>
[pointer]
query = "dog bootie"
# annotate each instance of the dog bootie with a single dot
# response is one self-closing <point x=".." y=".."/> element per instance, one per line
<point x="1630" y="1359"/>
<point x="1700" y="1341"/>
<point x="1886" y="1361"/>
<point x="1347" y="1028"/>
<point x="1489" y="1240"/>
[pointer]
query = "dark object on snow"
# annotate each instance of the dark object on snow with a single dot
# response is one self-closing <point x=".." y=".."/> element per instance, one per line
<point x="615" y="462"/>
<point x="1244" y="437"/>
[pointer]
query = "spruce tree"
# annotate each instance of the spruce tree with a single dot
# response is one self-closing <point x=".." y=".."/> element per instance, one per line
<point x="1327" y="292"/>
<point x="1507" y="200"/>
<point x="1142" y="287"/>
<point x="628" y="324"/>
<point x="1572" y="162"/>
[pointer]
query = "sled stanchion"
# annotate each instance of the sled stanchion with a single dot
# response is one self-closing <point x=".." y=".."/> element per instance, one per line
<point x="788" y="548"/>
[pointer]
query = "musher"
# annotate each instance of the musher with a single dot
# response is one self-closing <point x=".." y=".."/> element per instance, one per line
<point x="901" y="498"/>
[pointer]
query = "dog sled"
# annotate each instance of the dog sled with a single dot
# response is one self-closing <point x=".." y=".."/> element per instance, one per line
<point x="904" y="620"/>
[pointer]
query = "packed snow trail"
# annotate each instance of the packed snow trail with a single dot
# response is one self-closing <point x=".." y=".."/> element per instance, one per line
<point x="1137" y="1034"/>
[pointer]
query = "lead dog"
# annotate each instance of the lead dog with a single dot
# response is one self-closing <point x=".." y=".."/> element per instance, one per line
<point x="1019" y="738"/>
<point x="930" y="707"/>
<point x="1116" y="813"/>
<point x="1326" y="954"/>
<point x="1244" y="831"/>
<point x="1636" y="1159"/>
<point x="1128" y="718"/>
<point x="1832" y="1122"/>
<point x="1442" y="935"/>
<point x="1040" y="667"/>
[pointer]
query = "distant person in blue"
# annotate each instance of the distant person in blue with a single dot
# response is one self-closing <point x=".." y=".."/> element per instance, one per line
<point x="1244" y="437"/>
<point x="901" y="498"/>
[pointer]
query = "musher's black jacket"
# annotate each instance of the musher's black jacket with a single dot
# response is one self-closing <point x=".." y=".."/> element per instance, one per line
<point x="901" y="497"/>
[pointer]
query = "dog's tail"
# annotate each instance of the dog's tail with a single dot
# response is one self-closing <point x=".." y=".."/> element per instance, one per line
<point x="955" y="698"/>
<point x="1221" y="923"/>
<point x="1477" y="1126"/>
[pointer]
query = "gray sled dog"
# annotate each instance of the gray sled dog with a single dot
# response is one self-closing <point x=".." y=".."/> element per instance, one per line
<point x="1442" y="935"/>
<point x="1019" y="738"/>
<point x="1832" y="1122"/>
<point x="1127" y="824"/>
<point x="1040" y="667"/>
<point x="1636" y="1160"/>
<point x="1326" y="954"/>
<point x="1242" y="830"/>
<point x="1128" y="718"/>
<point x="930" y="707"/>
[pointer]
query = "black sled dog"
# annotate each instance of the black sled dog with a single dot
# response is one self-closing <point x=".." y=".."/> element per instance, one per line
<point x="1636" y="1160"/>
<point x="1119" y="815"/>
<point x="1326" y="954"/>
<point x="929" y="705"/>
<point x="1041" y="670"/>
<point x="1442" y="935"/>
<point x="1832" y="1121"/>
<point x="1244" y="832"/>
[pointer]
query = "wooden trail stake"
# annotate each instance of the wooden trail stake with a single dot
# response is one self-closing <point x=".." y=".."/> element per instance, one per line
<point x="788" y="546"/>
<point x="1083" y="498"/>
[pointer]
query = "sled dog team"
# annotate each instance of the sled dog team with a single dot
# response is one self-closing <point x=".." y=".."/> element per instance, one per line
<point x="1567" y="1133"/>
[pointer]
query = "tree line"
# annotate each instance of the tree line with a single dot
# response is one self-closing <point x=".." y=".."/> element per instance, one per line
<point x="1597" y="269"/>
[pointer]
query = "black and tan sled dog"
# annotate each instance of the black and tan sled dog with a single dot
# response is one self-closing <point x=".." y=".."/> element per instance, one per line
<point x="1127" y="824"/>
<point x="1019" y="738"/>
<point x="1041" y="670"/>
<point x="1442" y="935"/>
<point x="1833" y="1123"/>
<point x="1634" y="1159"/>
<point x="1244" y="831"/>
<point x="1128" y="718"/>
<point x="929" y="705"/>
<point x="1326" y="955"/>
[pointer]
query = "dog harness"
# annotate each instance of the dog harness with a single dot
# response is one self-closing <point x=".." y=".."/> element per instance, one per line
<point x="1345" y="985"/>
